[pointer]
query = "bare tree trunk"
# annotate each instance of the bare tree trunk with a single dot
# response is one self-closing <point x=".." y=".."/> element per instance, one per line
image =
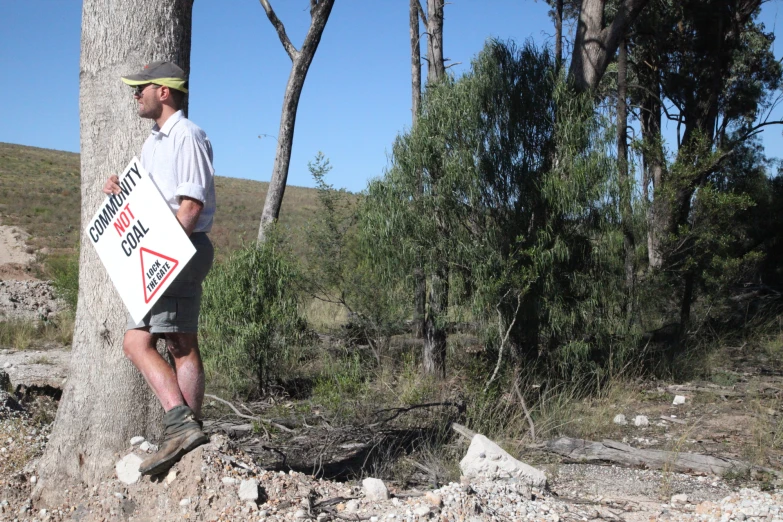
<point x="436" y="67"/>
<point x="434" y="355"/>
<point x="301" y="60"/>
<point x="595" y="45"/>
<point x="559" y="35"/>
<point x="415" y="7"/>
<point x="105" y="400"/>
<point x="653" y="164"/>
<point x="434" y="360"/>
<point x="626" y="185"/>
<point x="419" y="281"/>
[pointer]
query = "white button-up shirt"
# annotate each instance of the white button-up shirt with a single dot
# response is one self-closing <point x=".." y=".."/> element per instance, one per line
<point x="179" y="160"/>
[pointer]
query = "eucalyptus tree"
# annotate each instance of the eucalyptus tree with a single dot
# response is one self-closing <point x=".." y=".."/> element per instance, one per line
<point x="301" y="59"/>
<point x="105" y="400"/>
<point x="519" y="191"/>
<point x="710" y="69"/>
<point x="419" y="281"/>
<point x="596" y="39"/>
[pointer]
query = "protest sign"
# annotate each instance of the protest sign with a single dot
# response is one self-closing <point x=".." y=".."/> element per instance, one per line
<point x="139" y="240"/>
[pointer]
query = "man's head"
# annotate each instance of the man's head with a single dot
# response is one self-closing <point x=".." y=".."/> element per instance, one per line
<point x="159" y="86"/>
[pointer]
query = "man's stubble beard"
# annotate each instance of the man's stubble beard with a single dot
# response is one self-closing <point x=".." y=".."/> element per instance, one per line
<point x="150" y="113"/>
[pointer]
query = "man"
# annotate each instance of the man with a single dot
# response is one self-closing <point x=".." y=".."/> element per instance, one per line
<point x="178" y="157"/>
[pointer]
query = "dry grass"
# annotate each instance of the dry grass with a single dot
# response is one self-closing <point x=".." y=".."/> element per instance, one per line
<point x="52" y="216"/>
<point x="23" y="334"/>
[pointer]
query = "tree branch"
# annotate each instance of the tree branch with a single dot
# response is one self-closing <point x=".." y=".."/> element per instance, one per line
<point x="280" y="28"/>
<point x="422" y="15"/>
<point x="240" y="414"/>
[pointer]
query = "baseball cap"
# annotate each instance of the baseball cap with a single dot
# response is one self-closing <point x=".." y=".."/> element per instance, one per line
<point x="160" y="73"/>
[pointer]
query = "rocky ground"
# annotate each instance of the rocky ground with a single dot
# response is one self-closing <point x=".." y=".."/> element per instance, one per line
<point x="223" y="480"/>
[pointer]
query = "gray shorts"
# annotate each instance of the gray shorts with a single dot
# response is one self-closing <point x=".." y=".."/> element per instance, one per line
<point x="177" y="309"/>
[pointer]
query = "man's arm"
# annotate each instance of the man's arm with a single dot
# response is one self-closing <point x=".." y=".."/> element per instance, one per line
<point x="188" y="213"/>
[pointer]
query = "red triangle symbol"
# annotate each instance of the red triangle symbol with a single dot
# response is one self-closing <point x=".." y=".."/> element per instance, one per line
<point x="155" y="271"/>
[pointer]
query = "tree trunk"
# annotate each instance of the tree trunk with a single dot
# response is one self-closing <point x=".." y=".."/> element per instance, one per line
<point x="436" y="67"/>
<point x="434" y="360"/>
<point x="595" y="45"/>
<point x="626" y="184"/>
<point x="434" y="355"/>
<point x="415" y="60"/>
<point x="419" y="282"/>
<point x="559" y="35"/>
<point x="106" y="401"/>
<point x="653" y="164"/>
<point x="301" y="60"/>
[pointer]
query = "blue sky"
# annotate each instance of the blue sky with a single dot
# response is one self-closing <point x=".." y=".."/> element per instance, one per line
<point x="355" y="101"/>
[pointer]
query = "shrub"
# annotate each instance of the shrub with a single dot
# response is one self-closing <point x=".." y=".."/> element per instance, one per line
<point x="64" y="271"/>
<point x="251" y="317"/>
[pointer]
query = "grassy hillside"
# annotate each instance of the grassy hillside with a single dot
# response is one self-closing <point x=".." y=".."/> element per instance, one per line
<point x="39" y="192"/>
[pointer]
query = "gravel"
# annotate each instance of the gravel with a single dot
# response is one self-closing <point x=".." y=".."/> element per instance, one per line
<point x="28" y="300"/>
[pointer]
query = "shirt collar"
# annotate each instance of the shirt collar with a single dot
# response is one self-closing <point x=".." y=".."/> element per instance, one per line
<point x="166" y="129"/>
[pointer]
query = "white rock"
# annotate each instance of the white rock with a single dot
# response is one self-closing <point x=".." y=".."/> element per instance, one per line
<point x="352" y="506"/>
<point x="300" y="514"/>
<point x="485" y="459"/>
<point x="184" y="502"/>
<point x="145" y="446"/>
<point x="135" y="441"/>
<point x="228" y="481"/>
<point x="421" y="511"/>
<point x="7" y="365"/>
<point x="248" y="490"/>
<point x="678" y="399"/>
<point x="682" y="498"/>
<point x="171" y="477"/>
<point x="128" y="469"/>
<point x="375" y="489"/>
<point x="620" y="419"/>
<point x="33" y="479"/>
<point x="641" y="420"/>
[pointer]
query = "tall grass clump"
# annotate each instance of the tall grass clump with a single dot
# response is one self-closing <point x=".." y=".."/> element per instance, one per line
<point x="251" y="318"/>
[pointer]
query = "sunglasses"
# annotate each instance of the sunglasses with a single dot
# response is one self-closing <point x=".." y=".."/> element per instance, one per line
<point x="139" y="89"/>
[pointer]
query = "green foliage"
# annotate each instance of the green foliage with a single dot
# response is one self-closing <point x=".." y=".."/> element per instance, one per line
<point x="64" y="271"/>
<point x="337" y="270"/>
<point x="251" y="317"/>
<point x="341" y="382"/>
<point x="514" y="176"/>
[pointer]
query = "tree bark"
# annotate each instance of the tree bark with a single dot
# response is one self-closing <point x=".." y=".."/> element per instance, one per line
<point x="595" y="45"/>
<point x="419" y="281"/>
<point x="106" y="401"/>
<point x="301" y="60"/>
<point x="436" y="67"/>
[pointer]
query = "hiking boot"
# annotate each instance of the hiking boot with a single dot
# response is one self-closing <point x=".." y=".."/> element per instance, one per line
<point x="182" y="433"/>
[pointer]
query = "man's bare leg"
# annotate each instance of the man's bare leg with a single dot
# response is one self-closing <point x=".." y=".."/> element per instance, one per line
<point x="190" y="370"/>
<point x="139" y="347"/>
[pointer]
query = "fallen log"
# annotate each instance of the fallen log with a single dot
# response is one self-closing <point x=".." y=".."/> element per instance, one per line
<point x="579" y="450"/>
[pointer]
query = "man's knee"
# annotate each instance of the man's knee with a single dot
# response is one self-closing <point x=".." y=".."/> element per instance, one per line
<point x="182" y="344"/>
<point x="136" y="341"/>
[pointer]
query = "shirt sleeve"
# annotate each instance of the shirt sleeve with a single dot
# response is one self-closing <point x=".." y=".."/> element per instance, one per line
<point x="193" y="167"/>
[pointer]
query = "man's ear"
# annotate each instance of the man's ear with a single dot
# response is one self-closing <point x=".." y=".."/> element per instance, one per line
<point x="164" y="93"/>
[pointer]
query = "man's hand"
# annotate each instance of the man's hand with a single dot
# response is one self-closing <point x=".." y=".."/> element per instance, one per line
<point x="112" y="185"/>
<point x="188" y="213"/>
